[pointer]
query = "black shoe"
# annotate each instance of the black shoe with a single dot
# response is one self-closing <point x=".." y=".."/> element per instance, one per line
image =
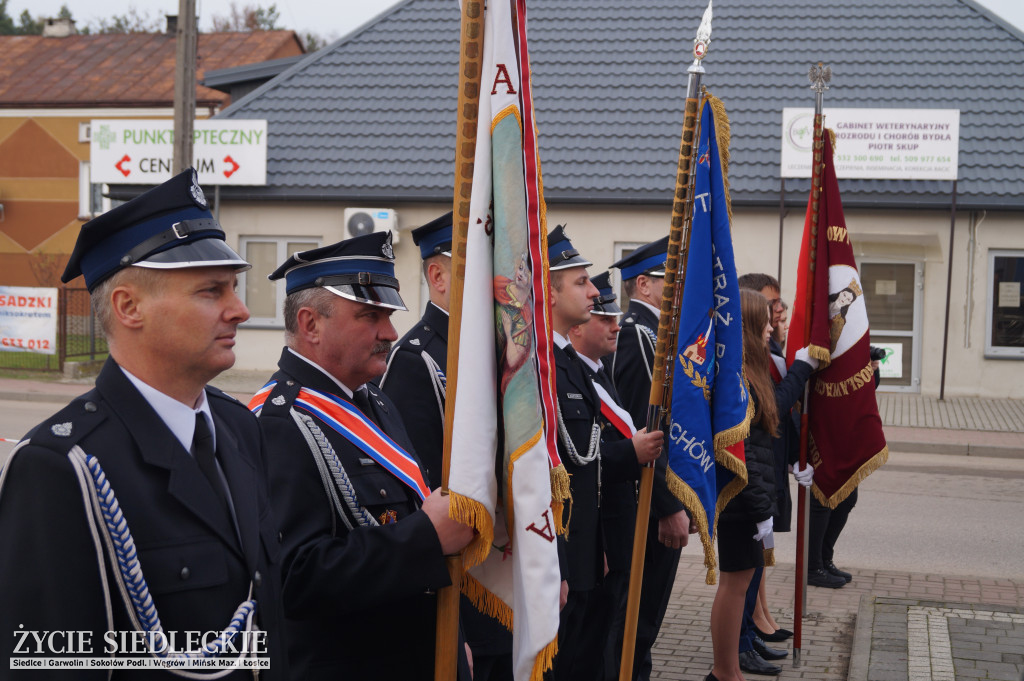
<point x="820" y="577"/>
<point x="711" y="677"/>
<point x="831" y="567"/>
<point x="752" y="663"/>
<point x="777" y="636"/>
<point x="767" y="653"/>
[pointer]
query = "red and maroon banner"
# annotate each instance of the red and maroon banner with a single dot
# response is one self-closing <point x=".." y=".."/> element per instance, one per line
<point x="846" y="440"/>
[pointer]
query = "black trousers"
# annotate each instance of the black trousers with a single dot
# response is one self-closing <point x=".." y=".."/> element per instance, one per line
<point x="825" y="527"/>
<point x="660" y="565"/>
<point x="582" y="634"/>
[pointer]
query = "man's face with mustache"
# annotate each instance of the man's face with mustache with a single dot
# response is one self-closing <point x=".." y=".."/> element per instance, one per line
<point x="355" y="341"/>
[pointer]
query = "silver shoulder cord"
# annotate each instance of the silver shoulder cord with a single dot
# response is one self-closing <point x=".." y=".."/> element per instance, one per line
<point x="643" y="333"/>
<point x="593" y="448"/>
<point x="437" y="379"/>
<point x="333" y="476"/>
<point x="88" y="471"/>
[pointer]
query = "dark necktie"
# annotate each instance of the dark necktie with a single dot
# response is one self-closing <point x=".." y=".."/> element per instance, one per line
<point x="361" y="398"/>
<point x="202" y="449"/>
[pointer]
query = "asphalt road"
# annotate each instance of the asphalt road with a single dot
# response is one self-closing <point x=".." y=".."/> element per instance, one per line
<point x="930" y="513"/>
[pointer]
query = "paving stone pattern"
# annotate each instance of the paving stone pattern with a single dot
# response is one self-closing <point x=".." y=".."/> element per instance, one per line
<point x="983" y="641"/>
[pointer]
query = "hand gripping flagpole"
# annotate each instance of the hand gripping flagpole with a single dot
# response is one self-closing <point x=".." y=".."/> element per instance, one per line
<point x="668" y="323"/>
<point x="470" y="69"/>
<point x="819" y="76"/>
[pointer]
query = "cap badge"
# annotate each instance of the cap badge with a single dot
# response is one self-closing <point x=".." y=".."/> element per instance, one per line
<point x="387" y="250"/>
<point x="61" y="429"/>
<point x="197" y="193"/>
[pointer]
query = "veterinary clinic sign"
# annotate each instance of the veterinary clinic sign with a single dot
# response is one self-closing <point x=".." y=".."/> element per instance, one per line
<point x="28" y="320"/>
<point x="224" y="152"/>
<point x="882" y="144"/>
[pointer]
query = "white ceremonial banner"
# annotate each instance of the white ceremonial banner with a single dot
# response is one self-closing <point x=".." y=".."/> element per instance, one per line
<point x="878" y="144"/>
<point x="28" y="319"/>
<point x="225" y="152"/>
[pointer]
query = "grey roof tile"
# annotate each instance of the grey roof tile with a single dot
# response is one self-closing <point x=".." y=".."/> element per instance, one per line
<point x="372" y="116"/>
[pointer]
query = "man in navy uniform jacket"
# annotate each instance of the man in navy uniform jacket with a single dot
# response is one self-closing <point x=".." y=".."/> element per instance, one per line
<point x="416" y="382"/>
<point x="643" y="277"/>
<point x="184" y="461"/>
<point x="364" y="539"/>
<point x="583" y="627"/>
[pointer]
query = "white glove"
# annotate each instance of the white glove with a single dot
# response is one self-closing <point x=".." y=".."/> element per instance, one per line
<point x="802" y="355"/>
<point x="764" y="528"/>
<point x="803" y="477"/>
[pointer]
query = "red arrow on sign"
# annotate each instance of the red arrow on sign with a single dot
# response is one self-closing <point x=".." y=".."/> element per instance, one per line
<point x="229" y="173"/>
<point x="118" y="165"/>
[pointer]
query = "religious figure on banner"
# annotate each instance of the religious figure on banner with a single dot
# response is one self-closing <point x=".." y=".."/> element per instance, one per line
<point x="513" y="300"/>
<point x="838" y="305"/>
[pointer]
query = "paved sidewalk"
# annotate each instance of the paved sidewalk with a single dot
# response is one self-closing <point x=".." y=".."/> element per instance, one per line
<point x="884" y="626"/>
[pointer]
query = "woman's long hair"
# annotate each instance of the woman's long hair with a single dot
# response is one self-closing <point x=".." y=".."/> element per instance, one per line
<point x="757" y="359"/>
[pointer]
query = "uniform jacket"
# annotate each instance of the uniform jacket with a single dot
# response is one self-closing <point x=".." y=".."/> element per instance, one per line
<point x="412" y="383"/>
<point x="618" y="498"/>
<point x="197" y="571"/>
<point x="580" y="407"/>
<point x="359" y="601"/>
<point x="631" y="367"/>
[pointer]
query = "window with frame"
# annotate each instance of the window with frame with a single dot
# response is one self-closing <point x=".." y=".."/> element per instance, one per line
<point x="265" y="298"/>
<point x="91" y="201"/>
<point x="1004" y="317"/>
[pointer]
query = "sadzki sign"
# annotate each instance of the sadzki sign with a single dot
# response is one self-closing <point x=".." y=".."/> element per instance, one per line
<point x="881" y="144"/>
<point x="225" y="152"/>
<point x="28" y="319"/>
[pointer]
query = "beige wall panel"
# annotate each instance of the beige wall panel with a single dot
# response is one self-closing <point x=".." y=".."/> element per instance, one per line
<point x="904" y="236"/>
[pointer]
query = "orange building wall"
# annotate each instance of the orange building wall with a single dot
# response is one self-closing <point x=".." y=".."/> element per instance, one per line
<point x="39" y="161"/>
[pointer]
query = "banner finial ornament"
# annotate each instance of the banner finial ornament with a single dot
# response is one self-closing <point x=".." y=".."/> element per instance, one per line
<point x="703" y="39"/>
<point x="820" y="76"/>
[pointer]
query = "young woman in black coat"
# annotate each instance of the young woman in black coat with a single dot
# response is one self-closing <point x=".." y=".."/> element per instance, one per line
<point x="747" y="518"/>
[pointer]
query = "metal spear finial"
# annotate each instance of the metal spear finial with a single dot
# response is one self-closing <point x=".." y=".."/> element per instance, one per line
<point x="703" y="39"/>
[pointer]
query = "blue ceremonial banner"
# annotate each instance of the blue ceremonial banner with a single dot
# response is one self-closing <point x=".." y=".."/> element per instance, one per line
<point x="710" y="403"/>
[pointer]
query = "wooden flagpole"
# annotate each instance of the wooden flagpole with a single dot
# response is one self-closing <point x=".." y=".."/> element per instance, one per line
<point x="668" y="322"/>
<point x="819" y="76"/>
<point x="470" y="67"/>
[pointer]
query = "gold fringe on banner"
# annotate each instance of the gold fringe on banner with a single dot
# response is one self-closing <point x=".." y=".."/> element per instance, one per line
<point x="485" y="601"/>
<point x="560" y="496"/>
<point x="869" y="467"/>
<point x="823" y="355"/>
<point x="689" y="499"/>
<point x="544" y="661"/>
<point x="769" y="557"/>
<point x="723" y="135"/>
<point x="471" y="512"/>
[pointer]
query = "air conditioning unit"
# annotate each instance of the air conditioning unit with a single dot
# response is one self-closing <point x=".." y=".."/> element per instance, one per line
<point x="360" y="221"/>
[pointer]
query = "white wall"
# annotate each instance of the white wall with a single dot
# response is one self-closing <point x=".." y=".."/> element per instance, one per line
<point x="877" y="234"/>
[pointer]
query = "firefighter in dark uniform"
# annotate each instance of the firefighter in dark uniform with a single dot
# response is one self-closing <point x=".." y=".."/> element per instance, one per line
<point x="643" y="277"/>
<point x="142" y="506"/>
<point x="415" y="381"/>
<point x="582" y="632"/>
<point x="415" y="377"/>
<point x="592" y="341"/>
<point x="364" y="539"/>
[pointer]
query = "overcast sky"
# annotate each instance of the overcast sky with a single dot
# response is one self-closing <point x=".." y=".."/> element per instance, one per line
<point x="329" y="19"/>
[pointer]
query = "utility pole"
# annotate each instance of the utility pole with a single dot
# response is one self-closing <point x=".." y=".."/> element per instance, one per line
<point x="185" y="84"/>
